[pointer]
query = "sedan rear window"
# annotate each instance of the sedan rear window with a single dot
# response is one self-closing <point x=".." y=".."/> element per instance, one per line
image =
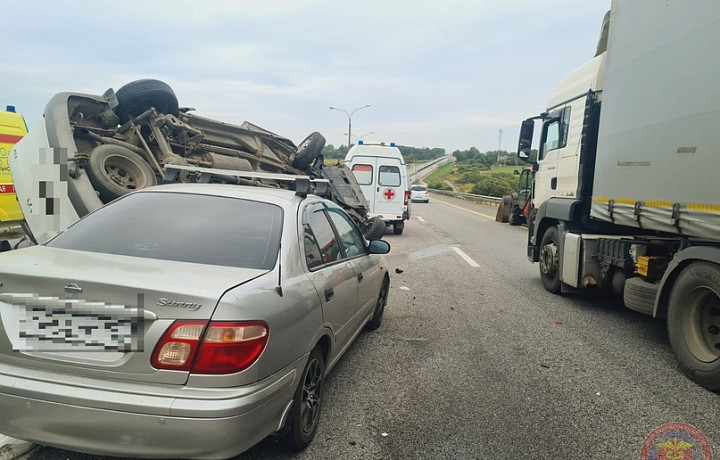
<point x="201" y="229"/>
<point x="418" y="188"/>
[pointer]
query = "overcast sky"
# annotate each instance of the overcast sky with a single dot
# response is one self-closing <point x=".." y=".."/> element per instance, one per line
<point x="437" y="73"/>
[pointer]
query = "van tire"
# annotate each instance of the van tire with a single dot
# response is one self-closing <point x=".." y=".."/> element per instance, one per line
<point x="375" y="229"/>
<point x="398" y="228"/>
<point x="308" y="150"/>
<point x="115" y="171"/>
<point x="138" y="96"/>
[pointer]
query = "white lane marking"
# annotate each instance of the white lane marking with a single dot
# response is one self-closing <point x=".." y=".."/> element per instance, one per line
<point x="420" y="219"/>
<point x="466" y="257"/>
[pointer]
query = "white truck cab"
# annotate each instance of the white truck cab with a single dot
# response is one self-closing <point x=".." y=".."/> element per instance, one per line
<point x="382" y="175"/>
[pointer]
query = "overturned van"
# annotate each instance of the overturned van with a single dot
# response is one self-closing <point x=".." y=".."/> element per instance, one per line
<point x="90" y="149"/>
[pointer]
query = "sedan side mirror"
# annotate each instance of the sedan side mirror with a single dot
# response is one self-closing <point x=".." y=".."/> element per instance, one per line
<point x="379" y="247"/>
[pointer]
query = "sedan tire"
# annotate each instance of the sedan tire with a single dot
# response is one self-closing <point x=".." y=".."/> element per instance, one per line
<point x="377" y="316"/>
<point x="305" y="414"/>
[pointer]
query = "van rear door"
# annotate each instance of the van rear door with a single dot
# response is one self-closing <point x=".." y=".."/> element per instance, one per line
<point x="390" y="193"/>
<point x="365" y="173"/>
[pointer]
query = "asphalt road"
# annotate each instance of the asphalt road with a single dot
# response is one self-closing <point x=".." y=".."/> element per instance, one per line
<point x="475" y="360"/>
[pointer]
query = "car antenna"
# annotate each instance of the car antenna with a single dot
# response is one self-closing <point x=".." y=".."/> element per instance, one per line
<point x="278" y="288"/>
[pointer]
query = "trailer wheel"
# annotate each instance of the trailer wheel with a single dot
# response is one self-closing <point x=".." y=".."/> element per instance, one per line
<point x="694" y="323"/>
<point x="138" y="96"/>
<point x="308" y="150"/>
<point x="550" y="260"/>
<point x="114" y="171"/>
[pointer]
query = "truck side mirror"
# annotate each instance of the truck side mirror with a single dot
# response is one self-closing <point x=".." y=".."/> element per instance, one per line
<point x="526" y="136"/>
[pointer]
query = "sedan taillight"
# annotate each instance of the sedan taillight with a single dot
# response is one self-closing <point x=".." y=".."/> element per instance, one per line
<point x="210" y="348"/>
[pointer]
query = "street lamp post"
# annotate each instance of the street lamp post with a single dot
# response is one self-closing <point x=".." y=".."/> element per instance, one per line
<point x="349" y="115"/>
<point x="361" y="137"/>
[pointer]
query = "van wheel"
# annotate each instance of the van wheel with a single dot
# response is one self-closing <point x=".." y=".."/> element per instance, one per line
<point x="308" y="150"/>
<point x="398" y="228"/>
<point x="550" y="260"/>
<point x="305" y="413"/>
<point x="114" y="171"/>
<point x="693" y="321"/>
<point x="374" y="228"/>
<point x="138" y="96"/>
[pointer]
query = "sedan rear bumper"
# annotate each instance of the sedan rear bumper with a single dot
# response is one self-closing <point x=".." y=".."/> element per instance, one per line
<point x="64" y="416"/>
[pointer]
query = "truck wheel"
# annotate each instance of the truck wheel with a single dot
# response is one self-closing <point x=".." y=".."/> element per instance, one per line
<point x="693" y="322"/>
<point x="549" y="260"/>
<point x="305" y="415"/>
<point x="138" y="96"/>
<point x="639" y="295"/>
<point x="114" y="171"/>
<point x="308" y="150"/>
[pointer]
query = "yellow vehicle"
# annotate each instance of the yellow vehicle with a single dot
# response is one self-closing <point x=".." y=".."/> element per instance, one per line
<point x="12" y="129"/>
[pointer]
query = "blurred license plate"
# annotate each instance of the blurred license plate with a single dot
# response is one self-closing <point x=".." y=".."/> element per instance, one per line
<point x="52" y="324"/>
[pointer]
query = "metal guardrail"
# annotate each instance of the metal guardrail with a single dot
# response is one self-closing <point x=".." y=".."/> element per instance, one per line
<point x="484" y="199"/>
<point x="429" y="167"/>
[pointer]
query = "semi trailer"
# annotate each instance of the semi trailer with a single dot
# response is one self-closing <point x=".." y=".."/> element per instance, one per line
<point x="625" y="194"/>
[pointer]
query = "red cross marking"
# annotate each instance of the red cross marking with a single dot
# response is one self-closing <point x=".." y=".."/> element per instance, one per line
<point x="389" y="194"/>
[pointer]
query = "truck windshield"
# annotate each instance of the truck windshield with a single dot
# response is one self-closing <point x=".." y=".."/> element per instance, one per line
<point x="182" y="227"/>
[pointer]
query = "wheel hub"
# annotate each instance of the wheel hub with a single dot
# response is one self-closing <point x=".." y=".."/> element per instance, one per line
<point x="703" y="324"/>
<point x="549" y="259"/>
<point x="311" y="396"/>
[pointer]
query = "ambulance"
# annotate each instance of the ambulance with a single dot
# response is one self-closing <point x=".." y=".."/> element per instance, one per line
<point x="382" y="175"/>
<point x="12" y="129"/>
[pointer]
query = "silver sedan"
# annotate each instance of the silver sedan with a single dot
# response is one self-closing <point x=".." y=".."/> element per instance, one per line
<point x="184" y="321"/>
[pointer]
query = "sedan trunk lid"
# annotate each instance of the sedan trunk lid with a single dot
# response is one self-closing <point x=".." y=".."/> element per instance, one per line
<point x="95" y="314"/>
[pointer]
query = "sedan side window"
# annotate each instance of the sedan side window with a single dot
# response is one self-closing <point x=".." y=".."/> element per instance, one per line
<point x="313" y="258"/>
<point x="350" y="237"/>
<point x="321" y="245"/>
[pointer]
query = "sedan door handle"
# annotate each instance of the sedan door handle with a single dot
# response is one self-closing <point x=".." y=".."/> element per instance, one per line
<point x="360" y="278"/>
<point x="329" y="293"/>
